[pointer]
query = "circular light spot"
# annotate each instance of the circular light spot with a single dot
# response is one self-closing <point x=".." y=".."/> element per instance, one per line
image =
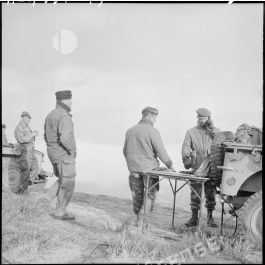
<point x="64" y="41"/>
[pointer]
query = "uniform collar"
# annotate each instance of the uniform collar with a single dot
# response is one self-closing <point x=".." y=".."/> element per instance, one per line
<point x="144" y="121"/>
<point x="63" y="106"/>
<point x="24" y="123"/>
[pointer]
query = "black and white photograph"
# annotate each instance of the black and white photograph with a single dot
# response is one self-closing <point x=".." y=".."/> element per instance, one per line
<point x="132" y="132"/>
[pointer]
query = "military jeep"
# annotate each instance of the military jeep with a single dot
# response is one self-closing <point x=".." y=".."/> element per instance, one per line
<point x="236" y="167"/>
<point x="13" y="177"/>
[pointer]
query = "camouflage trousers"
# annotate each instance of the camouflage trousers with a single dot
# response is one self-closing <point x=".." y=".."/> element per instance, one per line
<point x="63" y="188"/>
<point x="138" y="182"/>
<point x="209" y="189"/>
<point x="29" y="167"/>
<point x="32" y="164"/>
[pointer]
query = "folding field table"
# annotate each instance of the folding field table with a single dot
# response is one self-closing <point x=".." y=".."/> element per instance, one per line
<point x="174" y="176"/>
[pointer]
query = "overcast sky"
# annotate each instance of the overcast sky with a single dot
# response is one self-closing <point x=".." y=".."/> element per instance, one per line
<point x="175" y="57"/>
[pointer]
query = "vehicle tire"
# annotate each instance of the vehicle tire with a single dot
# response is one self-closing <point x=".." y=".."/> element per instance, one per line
<point x="217" y="155"/>
<point x="12" y="176"/>
<point x="250" y="217"/>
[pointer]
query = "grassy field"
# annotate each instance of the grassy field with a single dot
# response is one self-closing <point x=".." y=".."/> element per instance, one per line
<point x="101" y="233"/>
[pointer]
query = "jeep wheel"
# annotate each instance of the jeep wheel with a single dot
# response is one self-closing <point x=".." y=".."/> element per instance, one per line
<point x="12" y="177"/>
<point x="250" y="216"/>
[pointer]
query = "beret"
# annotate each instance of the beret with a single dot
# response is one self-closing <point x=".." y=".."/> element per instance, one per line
<point x="63" y="94"/>
<point x="203" y="112"/>
<point x="3" y="125"/>
<point x="151" y="110"/>
<point x="25" y="113"/>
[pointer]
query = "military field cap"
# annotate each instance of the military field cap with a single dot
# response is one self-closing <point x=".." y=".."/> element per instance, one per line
<point x="26" y="114"/>
<point x="151" y="110"/>
<point x="3" y="125"/>
<point x="63" y="94"/>
<point x="203" y="112"/>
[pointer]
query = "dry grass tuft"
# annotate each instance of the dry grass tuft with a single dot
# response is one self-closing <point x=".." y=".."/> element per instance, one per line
<point x="112" y="224"/>
<point x="137" y="247"/>
<point x="30" y="235"/>
<point x="241" y="248"/>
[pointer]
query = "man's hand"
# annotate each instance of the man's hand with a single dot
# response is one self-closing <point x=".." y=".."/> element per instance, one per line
<point x="187" y="162"/>
<point x="35" y="134"/>
<point x="210" y="127"/>
<point x="171" y="169"/>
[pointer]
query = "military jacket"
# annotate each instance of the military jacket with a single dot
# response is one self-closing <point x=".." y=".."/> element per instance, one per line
<point x="197" y="144"/>
<point x="23" y="134"/>
<point x="142" y="148"/>
<point x="59" y="134"/>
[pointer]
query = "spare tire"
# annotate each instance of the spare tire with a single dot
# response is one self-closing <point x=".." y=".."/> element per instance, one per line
<point x="217" y="155"/>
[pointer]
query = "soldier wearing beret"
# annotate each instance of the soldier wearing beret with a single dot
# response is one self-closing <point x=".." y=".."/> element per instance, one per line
<point x="142" y="148"/>
<point x="4" y="139"/>
<point x="61" y="149"/>
<point x="195" y="148"/>
<point x="28" y="161"/>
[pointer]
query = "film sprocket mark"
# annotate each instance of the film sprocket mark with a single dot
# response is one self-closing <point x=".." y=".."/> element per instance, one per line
<point x="49" y="2"/>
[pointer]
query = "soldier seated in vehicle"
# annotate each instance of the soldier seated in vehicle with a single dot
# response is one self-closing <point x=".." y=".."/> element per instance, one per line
<point x="4" y="139"/>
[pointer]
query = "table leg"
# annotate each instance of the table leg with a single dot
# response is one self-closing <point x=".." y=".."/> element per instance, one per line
<point x="174" y="204"/>
<point x="222" y="218"/>
<point x="201" y="204"/>
<point x="145" y="199"/>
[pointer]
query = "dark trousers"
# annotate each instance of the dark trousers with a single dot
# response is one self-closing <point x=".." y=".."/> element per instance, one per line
<point x="209" y="188"/>
<point x="63" y="188"/>
<point x="137" y="182"/>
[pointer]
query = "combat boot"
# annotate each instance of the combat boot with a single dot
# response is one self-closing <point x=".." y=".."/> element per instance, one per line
<point x="210" y="220"/>
<point x="65" y="216"/>
<point x="138" y="220"/>
<point x="193" y="221"/>
<point x="135" y="220"/>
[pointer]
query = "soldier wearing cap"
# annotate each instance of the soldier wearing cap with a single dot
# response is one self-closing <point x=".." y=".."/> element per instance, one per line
<point x="4" y="139"/>
<point x="142" y="148"/>
<point x="195" y="149"/>
<point x="61" y="149"/>
<point x="28" y="161"/>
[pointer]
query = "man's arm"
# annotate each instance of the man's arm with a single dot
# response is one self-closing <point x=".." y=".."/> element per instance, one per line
<point x="159" y="148"/>
<point x="186" y="151"/>
<point x="66" y="135"/>
<point x="45" y="136"/>
<point x="125" y="146"/>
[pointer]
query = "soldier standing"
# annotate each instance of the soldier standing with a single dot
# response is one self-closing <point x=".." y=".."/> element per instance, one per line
<point x="61" y="149"/>
<point x="143" y="145"/>
<point x="26" y="138"/>
<point x="195" y="148"/>
<point x="4" y="139"/>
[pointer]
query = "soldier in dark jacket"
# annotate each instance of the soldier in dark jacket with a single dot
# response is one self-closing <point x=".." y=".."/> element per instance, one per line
<point x="195" y="150"/>
<point x="61" y="149"/>
<point x="142" y="148"/>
